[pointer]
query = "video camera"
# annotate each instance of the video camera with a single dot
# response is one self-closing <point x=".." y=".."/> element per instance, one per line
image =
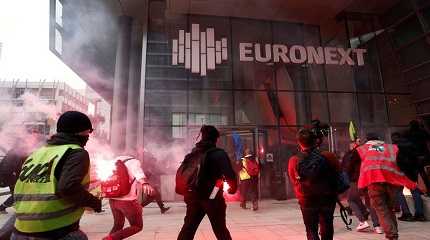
<point x="320" y="130"/>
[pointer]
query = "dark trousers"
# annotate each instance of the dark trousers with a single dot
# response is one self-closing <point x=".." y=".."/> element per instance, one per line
<point x="9" y="200"/>
<point x="418" y="202"/>
<point x="382" y="198"/>
<point x="7" y="228"/>
<point x="361" y="210"/>
<point x="156" y="196"/>
<point x="197" y="208"/>
<point x="75" y="235"/>
<point x="122" y="210"/>
<point x="249" y="187"/>
<point x="320" y="214"/>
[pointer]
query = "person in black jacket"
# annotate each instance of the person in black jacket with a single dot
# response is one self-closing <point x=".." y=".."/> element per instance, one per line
<point x="409" y="164"/>
<point x="215" y="167"/>
<point x="12" y="163"/>
<point x="419" y="137"/>
<point x="72" y="128"/>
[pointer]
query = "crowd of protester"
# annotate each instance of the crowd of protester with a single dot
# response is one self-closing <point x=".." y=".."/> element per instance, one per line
<point x="50" y="185"/>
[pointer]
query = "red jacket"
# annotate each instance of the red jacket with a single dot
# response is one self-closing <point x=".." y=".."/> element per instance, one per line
<point x="378" y="165"/>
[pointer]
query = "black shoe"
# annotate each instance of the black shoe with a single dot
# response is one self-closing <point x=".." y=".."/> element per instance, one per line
<point x="420" y="218"/>
<point x="406" y="218"/>
<point x="164" y="209"/>
<point x="255" y="206"/>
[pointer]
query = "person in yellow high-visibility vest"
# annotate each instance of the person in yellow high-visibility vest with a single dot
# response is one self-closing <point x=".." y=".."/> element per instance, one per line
<point x="249" y="180"/>
<point x="51" y="191"/>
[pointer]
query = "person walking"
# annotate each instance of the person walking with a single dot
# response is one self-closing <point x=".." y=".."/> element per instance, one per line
<point x="381" y="176"/>
<point x="351" y="166"/>
<point x="153" y="175"/>
<point x="206" y="197"/>
<point x="408" y="164"/>
<point x="419" y="137"/>
<point x="51" y="191"/>
<point x="126" y="206"/>
<point x="249" y="180"/>
<point x="312" y="174"/>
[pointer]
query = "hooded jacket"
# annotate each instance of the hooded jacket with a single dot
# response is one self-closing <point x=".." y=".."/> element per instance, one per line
<point x="69" y="173"/>
<point x="216" y="166"/>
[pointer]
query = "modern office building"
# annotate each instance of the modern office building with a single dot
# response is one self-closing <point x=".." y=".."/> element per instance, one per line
<point x="258" y="70"/>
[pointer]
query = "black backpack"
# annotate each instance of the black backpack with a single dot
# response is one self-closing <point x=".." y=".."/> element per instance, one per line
<point x="187" y="175"/>
<point x="316" y="177"/>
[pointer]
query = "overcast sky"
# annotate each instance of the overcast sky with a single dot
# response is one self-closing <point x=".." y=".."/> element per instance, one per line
<point x="24" y="33"/>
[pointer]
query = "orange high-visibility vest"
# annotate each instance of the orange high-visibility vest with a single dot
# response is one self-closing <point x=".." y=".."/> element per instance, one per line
<point x="378" y="165"/>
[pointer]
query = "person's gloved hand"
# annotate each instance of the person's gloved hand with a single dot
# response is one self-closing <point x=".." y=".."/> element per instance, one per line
<point x="97" y="206"/>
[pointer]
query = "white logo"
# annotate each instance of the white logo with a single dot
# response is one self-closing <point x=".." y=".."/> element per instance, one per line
<point x="199" y="51"/>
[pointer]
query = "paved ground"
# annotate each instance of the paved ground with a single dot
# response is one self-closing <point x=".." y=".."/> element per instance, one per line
<point x="275" y="220"/>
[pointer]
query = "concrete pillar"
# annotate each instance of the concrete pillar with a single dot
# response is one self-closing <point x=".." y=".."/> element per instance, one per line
<point x="141" y="112"/>
<point x="134" y="85"/>
<point x="119" y="105"/>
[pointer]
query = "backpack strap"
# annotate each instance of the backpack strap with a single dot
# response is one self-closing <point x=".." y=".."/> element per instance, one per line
<point x="202" y="161"/>
<point x="126" y="160"/>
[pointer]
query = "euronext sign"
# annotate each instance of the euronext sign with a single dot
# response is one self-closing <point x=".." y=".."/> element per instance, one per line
<point x="300" y="54"/>
<point x="199" y="52"/>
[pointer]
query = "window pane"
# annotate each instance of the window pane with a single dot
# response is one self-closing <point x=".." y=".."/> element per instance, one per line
<point x="210" y="107"/>
<point x="245" y="107"/>
<point x="251" y="74"/>
<point x="372" y="108"/>
<point x="160" y="105"/>
<point x="400" y="109"/>
<point x="343" y="107"/>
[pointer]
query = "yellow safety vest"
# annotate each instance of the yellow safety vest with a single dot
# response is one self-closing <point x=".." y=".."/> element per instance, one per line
<point x="243" y="174"/>
<point x="38" y="208"/>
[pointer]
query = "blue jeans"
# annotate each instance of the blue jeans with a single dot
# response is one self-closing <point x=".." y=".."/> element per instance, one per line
<point x="418" y="202"/>
<point x="360" y="209"/>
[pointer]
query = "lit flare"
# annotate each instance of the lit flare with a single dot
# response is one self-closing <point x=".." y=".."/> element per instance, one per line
<point x="104" y="169"/>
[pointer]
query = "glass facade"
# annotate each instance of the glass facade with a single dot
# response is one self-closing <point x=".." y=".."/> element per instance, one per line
<point x="265" y="103"/>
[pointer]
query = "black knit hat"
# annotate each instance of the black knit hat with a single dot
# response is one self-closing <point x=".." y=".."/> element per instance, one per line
<point x="73" y="122"/>
<point x="209" y="133"/>
<point x="371" y="136"/>
<point x="306" y="138"/>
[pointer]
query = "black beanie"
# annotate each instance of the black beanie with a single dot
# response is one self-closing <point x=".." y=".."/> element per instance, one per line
<point x="209" y="133"/>
<point x="73" y="122"/>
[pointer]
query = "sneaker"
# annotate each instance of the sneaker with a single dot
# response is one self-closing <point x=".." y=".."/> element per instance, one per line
<point x="406" y="218"/>
<point x="362" y="225"/>
<point x="164" y="209"/>
<point x="419" y="218"/>
<point x="378" y="230"/>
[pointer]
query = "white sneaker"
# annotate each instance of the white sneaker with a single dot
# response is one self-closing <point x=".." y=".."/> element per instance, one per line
<point x="378" y="230"/>
<point x="362" y="225"/>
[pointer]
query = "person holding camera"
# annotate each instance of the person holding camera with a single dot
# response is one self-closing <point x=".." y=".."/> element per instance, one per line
<point x="311" y="171"/>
